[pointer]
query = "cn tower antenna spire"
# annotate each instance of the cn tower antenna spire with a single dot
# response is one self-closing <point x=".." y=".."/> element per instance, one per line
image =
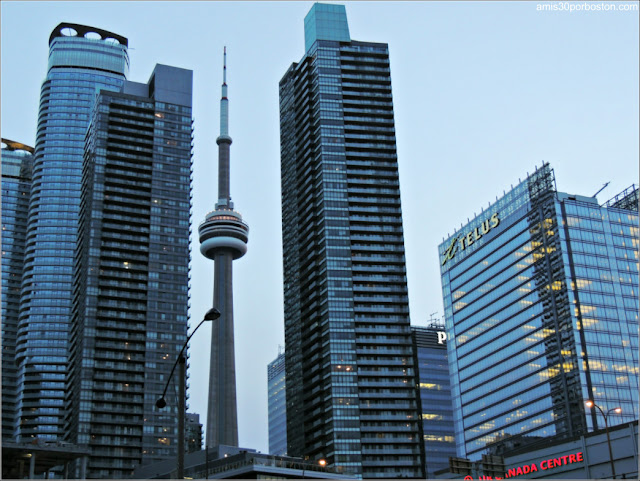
<point x="224" y="104"/>
<point x="224" y="141"/>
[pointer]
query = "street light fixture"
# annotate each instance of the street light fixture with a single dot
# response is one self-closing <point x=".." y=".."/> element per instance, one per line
<point x="211" y="315"/>
<point x="617" y="410"/>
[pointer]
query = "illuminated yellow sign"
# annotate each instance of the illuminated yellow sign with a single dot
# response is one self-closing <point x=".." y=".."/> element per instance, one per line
<point x="466" y="240"/>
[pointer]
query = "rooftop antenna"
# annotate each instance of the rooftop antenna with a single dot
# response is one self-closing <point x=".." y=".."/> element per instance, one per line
<point x="601" y="189"/>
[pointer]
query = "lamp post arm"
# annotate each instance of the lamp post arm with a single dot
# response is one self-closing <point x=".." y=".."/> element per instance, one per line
<point x="180" y="355"/>
<point x="603" y="414"/>
<point x="606" y="427"/>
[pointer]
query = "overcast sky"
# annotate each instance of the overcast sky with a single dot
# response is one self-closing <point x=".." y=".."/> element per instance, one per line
<point x="483" y="92"/>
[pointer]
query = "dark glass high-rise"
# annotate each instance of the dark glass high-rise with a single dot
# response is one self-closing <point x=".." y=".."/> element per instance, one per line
<point x="434" y="386"/>
<point x="131" y="285"/>
<point x="351" y="397"/>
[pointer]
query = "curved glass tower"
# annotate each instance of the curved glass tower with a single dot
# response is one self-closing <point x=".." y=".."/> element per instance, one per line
<point x="82" y="60"/>
<point x="223" y="238"/>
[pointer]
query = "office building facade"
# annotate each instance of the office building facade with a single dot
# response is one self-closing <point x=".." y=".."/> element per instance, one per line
<point x="541" y="307"/>
<point x="277" y="391"/>
<point x="351" y="397"/>
<point x="81" y="60"/>
<point x="131" y="288"/>
<point x="434" y="386"/>
<point x="17" y="164"/>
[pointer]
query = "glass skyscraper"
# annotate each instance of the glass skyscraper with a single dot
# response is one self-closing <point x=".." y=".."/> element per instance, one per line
<point x="131" y="289"/>
<point x="276" y="380"/>
<point x="17" y="162"/>
<point x="351" y="397"/>
<point x="436" y="407"/>
<point x="82" y="60"/>
<point x="541" y="306"/>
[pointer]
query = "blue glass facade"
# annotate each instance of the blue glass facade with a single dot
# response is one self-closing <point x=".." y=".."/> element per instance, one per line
<point x="131" y="289"/>
<point x="276" y="380"/>
<point x="78" y="68"/>
<point x="17" y="162"/>
<point x="326" y="22"/>
<point x="351" y="397"/>
<point x="541" y="315"/>
<point x="436" y="408"/>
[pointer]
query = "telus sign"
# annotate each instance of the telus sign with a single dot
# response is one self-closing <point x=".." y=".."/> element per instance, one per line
<point x="470" y="237"/>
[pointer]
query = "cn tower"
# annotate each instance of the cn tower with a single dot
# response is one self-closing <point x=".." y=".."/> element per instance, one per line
<point x="223" y="238"/>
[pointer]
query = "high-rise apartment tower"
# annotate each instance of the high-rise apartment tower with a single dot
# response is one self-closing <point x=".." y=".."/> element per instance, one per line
<point x="351" y="397"/>
<point x="223" y="238"/>
<point x="193" y="434"/>
<point x="131" y="286"/>
<point x="541" y="306"/>
<point x="82" y="60"/>
<point x="17" y="162"/>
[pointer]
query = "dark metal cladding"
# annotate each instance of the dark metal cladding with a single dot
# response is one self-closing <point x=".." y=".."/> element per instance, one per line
<point x="85" y="29"/>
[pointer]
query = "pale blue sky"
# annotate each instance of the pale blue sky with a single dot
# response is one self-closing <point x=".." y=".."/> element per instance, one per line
<point x="483" y="92"/>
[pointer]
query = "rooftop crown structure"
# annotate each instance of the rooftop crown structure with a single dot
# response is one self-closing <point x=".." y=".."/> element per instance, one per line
<point x="223" y="238"/>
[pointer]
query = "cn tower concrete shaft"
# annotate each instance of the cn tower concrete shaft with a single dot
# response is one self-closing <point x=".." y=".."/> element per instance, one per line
<point x="223" y="238"/>
<point x="222" y="418"/>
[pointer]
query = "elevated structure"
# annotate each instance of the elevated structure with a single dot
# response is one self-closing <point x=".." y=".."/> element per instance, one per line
<point x="232" y="462"/>
<point x="223" y="238"/>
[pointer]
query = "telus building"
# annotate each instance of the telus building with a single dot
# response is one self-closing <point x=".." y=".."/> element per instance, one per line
<point x="541" y="307"/>
<point x="351" y="397"/>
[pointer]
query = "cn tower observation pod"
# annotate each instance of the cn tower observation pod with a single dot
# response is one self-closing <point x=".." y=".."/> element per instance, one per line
<point x="223" y="230"/>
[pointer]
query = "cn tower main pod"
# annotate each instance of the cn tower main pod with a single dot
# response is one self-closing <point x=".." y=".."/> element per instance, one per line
<point x="223" y="238"/>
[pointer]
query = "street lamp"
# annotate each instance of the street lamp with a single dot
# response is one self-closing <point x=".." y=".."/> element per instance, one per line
<point x="618" y="410"/>
<point x="211" y="315"/>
